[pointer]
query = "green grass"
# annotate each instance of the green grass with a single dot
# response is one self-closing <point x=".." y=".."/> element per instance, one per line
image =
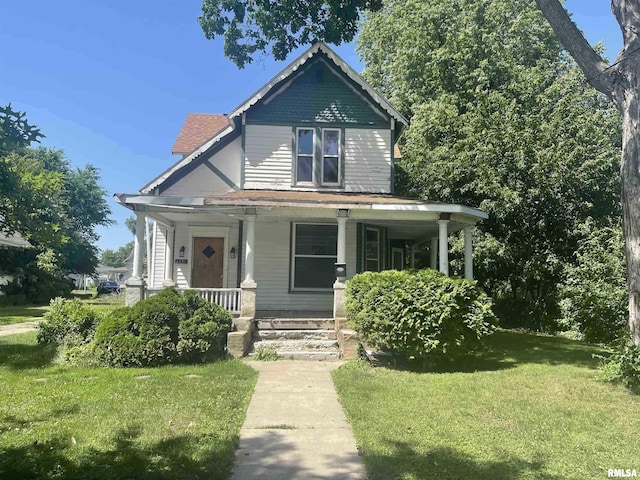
<point x="19" y="314"/>
<point x="531" y="409"/>
<point x="81" y="423"/>
<point x="30" y="313"/>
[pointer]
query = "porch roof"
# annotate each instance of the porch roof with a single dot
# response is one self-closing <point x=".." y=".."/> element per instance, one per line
<point x="299" y="200"/>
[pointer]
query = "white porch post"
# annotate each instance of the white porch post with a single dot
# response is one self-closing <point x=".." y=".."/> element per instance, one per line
<point x="138" y="245"/>
<point x="249" y="286"/>
<point x="434" y="252"/>
<point x="339" y="299"/>
<point x="468" y="253"/>
<point x="249" y="249"/>
<point x="444" y="246"/>
<point x="134" y="291"/>
<point x="168" y="265"/>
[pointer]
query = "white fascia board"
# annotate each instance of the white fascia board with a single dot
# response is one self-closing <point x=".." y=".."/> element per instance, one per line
<point x="186" y="160"/>
<point x="153" y="200"/>
<point x="299" y="62"/>
<point x="440" y="208"/>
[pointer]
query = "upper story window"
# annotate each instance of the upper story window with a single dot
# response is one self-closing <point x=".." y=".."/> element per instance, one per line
<point x="318" y="160"/>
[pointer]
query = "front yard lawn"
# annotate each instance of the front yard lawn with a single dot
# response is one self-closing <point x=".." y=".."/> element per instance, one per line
<point x="30" y="313"/>
<point x="531" y="409"/>
<point x="99" y="423"/>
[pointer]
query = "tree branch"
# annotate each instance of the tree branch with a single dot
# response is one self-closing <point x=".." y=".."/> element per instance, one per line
<point x="572" y="39"/>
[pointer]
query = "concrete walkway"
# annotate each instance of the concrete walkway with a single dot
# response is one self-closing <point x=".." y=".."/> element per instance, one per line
<point x="18" y="328"/>
<point x="295" y="426"/>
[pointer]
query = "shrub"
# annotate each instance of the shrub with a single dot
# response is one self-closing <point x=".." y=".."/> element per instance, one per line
<point x="622" y="366"/>
<point x="169" y="327"/>
<point x="595" y="296"/>
<point x="416" y="313"/>
<point x="68" y="323"/>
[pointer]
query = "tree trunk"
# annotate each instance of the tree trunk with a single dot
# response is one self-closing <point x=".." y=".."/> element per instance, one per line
<point x="630" y="174"/>
<point x="621" y="83"/>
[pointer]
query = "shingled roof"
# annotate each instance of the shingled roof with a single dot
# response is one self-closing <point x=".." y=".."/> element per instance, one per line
<point x="196" y="130"/>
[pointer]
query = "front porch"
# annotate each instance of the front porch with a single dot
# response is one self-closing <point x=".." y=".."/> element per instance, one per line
<point x="285" y="255"/>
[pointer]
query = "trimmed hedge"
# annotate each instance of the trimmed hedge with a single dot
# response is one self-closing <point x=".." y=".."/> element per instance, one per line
<point x="170" y="327"/>
<point x="416" y="313"/>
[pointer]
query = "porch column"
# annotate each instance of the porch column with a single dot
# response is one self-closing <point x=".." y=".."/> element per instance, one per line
<point x="443" y="246"/>
<point x="434" y="252"/>
<point x="138" y="245"/>
<point x="168" y="265"/>
<point x="339" y="299"/>
<point x="249" y="286"/>
<point x="468" y="253"/>
<point x="134" y="291"/>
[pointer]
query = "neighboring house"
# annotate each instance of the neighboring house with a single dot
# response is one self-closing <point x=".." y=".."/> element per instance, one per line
<point x="11" y="241"/>
<point x="270" y="199"/>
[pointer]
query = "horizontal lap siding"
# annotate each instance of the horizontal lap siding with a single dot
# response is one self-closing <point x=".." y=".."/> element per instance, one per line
<point x="158" y="259"/>
<point x="268" y="157"/>
<point x="367" y="160"/>
<point x="272" y="269"/>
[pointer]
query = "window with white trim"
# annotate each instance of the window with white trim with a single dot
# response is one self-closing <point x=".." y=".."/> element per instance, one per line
<point x="318" y="156"/>
<point x="330" y="157"/>
<point x="305" y="152"/>
<point x="314" y="254"/>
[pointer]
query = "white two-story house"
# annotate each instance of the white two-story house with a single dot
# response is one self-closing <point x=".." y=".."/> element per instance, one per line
<point x="276" y="204"/>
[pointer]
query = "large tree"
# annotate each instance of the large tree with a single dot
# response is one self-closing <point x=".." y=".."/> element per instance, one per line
<point x="501" y="119"/>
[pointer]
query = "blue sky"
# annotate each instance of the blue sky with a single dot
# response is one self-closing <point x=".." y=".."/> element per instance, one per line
<point x="111" y="82"/>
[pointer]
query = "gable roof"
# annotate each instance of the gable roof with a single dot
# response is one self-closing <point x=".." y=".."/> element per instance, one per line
<point x="275" y="82"/>
<point x="341" y="64"/>
<point x="196" y="130"/>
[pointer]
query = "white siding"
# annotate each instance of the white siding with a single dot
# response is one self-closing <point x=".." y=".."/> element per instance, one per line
<point x="367" y="160"/>
<point x="204" y="181"/>
<point x="158" y="257"/>
<point x="272" y="269"/>
<point x="268" y="157"/>
<point x="184" y="237"/>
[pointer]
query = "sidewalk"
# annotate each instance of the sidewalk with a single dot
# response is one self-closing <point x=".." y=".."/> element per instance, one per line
<point x="295" y="426"/>
<point x="18" y="328"/>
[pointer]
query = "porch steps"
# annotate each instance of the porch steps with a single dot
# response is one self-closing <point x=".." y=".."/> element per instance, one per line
<point x="297" y="338"/>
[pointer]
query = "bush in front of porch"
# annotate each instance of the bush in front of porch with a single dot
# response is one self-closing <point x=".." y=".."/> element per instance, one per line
<point x="419" y="313"/>
<point x="170" y="327"/>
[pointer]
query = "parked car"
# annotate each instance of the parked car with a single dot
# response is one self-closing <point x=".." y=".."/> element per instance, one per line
<point x="108" y="287"/>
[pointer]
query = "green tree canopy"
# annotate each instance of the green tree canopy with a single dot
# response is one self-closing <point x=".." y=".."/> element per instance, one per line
<point x="503" y="120"/>
<point x="116" y="258"/>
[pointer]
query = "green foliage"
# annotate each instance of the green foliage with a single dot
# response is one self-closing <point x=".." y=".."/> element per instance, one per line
<point x="622" y="366"/>
<point x="419" y="313"/>
<point x="266" y="354"/>
<point x="249" y="27"/>
<point x="594" y="293"/>
<point x="68" y="323"/>
<point x="501" y="119"/>
<point x="170" y="327"/>
<point x="116" y="258"/>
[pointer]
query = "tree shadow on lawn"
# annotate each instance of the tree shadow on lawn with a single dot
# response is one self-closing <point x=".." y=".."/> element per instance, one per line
<point x="509" y="349"/>
<point x="448" y="464"/>
<point x="21" y="356"/>
<point x="171" y="458"/>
